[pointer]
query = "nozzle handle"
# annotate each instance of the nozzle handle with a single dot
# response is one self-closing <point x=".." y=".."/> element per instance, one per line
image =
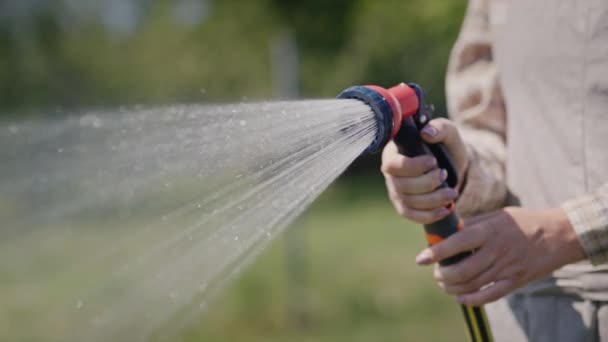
<point x="409" y="143"/>
<point x="446" y="162"/>
<point x="421" y="117"/>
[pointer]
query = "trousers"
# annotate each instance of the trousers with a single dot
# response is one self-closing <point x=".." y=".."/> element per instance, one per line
<point x="523" y="317"/>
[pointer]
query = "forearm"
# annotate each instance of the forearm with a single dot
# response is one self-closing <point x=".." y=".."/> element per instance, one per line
<point x="475" y="103"/>
<point x="484" y="188"/>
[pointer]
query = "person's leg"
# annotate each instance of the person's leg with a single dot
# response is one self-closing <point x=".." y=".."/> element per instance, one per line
<point x="602" y="321"/>
<point x="542" y="318"/>
<point x="560" y="318"/>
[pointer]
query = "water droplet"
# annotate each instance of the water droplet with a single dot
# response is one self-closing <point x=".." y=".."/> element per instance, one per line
<point x="59" y="150"/>
<point x="199" y="206"/>
<point x="236" y="238"/>
<point x="243" y="123"/>
<point x="13" y="129"/>
<point x="79" y="304"/>
<point x="203" y="91"/>
<point x="90" y="120"/>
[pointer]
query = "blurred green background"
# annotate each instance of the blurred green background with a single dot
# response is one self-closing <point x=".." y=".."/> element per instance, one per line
<point x="345" y="271"/>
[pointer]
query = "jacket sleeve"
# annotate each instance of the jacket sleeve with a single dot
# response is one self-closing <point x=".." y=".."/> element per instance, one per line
<point x="475" y="103"/>
<point x="588" y="215"/>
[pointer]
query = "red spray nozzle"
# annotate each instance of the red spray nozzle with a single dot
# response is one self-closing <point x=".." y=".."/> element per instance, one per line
<point x="403" y="102"/>
<point x="391" y="106"/>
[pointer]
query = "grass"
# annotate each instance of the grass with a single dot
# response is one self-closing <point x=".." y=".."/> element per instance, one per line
<point x="344" y="272"/>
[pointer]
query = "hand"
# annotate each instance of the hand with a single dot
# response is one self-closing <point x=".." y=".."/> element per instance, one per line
<point x="514" y="246"/>
<point x="412" y="182"/>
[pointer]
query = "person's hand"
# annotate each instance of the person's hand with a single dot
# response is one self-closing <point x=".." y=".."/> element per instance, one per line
<point x="514" y="246"/>
<point x="412" y="182"/>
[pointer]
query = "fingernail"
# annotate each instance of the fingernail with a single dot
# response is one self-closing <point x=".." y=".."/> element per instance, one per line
<point x="451" y="194"/>
<point x="424" y="258"/>
<point x="431" y="162"/>
<point x="442" y="212"/>
<point x="443" y="175"/>
<point x="430" y="130"/>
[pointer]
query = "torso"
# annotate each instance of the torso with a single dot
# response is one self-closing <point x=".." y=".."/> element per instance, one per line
<point x="552" y="58"/>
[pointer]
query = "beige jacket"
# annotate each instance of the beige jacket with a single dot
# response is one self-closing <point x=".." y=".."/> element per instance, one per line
<point x="528" y="84"/>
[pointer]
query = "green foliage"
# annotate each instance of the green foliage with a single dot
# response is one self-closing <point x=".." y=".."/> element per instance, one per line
<point x="321" y="26"/>
<point x="361" y="284"/>
<point x="227" y="56"/>
<point x="395" y="41"/>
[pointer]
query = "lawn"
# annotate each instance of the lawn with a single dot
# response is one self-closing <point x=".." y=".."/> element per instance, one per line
<point x="344" y="272"/>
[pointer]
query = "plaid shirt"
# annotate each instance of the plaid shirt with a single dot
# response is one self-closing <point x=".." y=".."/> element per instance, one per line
<point x="476" y="104"/>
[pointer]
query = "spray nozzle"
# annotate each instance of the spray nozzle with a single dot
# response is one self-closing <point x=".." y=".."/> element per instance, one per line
<point x="390" y="106"/>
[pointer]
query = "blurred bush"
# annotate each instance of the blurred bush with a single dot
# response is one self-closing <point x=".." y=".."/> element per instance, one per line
<point x="65" y="54"/>
<point x="74" y="54"/>
<point x="58" y="55"/>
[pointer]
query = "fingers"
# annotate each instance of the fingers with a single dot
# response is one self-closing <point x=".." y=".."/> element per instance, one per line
<point x="395" y="164"/>
<point x="440" y="130"/>
<point x="462" y="278"/>
<point x="488" y="294"/>
<point x="416" y="215"/>
<point x="491" y="272"/>
<point x="433" y="200"/>
<point x="467" y="270"/>
<point x="421" y="184"/>
<point x="443" y="130"/>
<point x="412" y="184"/>
<point x="464" y="241"/>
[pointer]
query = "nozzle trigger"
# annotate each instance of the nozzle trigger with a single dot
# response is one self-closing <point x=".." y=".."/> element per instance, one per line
<point x="445" y="161"/>
<point x="421" y="118"/>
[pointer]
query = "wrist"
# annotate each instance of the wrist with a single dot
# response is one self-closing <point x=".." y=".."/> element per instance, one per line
<point x="569" y="248"/>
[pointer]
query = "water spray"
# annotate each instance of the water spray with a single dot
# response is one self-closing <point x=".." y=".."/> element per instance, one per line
<point x="401" y="113"/>
<point x="146" y="213"/>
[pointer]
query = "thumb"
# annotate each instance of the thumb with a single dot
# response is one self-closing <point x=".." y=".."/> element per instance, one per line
<point x="440" y="130"/>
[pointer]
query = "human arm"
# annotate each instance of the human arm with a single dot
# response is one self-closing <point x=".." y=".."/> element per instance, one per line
<point x="474" y="136"/>
<point x="514" y="246"/>
<point x="517" y="245"/>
